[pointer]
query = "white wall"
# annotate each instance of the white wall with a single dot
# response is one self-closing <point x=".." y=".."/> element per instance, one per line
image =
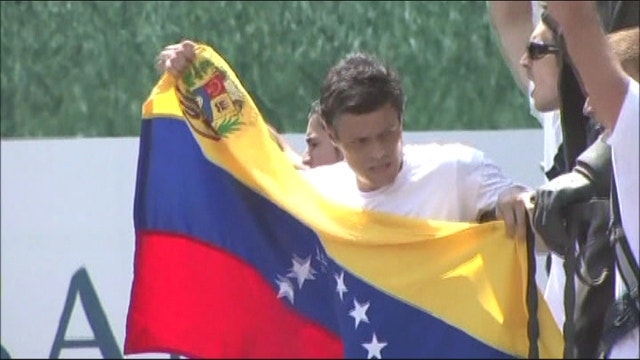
<point x="67" y="204"/>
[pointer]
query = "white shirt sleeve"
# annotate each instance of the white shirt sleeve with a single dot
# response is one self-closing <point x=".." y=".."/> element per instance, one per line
<point x="490" y="183"/>
<point x="626" y="164"/>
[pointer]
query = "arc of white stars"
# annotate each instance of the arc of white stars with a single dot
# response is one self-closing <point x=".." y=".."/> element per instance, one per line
<point x="285" y="288"/>
<point x="359" y="312"/>
<point x="374" y="348"/>
<point x="301" y="270"/>
<point x="340" y="286"/>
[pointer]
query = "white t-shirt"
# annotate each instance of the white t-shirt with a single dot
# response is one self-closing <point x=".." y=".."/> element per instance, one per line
<point x="626" y="167"/>
<point x="450" y="182"/>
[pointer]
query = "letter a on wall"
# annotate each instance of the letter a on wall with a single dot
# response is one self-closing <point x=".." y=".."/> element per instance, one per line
<point x="103" y="336"/>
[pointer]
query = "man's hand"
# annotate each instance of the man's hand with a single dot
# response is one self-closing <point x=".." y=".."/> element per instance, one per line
<point x="176" y="58"/>
<point x="551" y="204"/>
<point x="512" y="209"/>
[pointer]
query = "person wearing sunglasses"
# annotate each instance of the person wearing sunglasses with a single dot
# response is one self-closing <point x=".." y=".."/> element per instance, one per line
<point x="513" y="22"/>
<point x="542" y="68"/>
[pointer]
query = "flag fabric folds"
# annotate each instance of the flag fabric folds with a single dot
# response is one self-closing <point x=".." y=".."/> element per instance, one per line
<point x="238" y="256"/>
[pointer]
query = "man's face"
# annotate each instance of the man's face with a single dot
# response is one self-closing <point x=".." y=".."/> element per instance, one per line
<point x="320" y="150"/>
<point x="543" y="71"/>
<point x="371" y="144"/>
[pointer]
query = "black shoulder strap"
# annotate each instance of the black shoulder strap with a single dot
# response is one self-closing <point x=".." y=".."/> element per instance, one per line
<point x="626" y="262"/>
<point x="533" y="327"/>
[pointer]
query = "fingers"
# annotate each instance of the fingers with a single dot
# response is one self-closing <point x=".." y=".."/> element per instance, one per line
<point x="521" y="220"/>
<point x="189" y="47"/>
<point x="512" y="209"/>
<point x="177" y="65"/>
<point x="514" y="215"/>
<point x="507" y="214"/>
<point x="539" y="214"/>
<point x="176" y="58"/>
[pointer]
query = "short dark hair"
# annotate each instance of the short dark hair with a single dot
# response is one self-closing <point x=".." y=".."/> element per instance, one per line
<point x="359" y="84"/>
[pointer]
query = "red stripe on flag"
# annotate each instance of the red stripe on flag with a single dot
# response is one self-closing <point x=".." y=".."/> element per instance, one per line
<point x="187" y="293"/>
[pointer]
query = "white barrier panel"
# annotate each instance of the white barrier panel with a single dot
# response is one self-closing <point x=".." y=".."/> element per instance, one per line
<point x="67" y="236"/>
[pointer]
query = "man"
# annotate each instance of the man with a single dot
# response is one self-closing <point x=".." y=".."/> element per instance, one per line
<point x="614" y="100"/>
<point x="362" y="104"/>
<point x="513" y="23"/>
<point x="541" y="63"/>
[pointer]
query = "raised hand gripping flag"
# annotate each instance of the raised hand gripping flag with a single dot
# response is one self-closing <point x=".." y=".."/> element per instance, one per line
<point x="237" y="255"/>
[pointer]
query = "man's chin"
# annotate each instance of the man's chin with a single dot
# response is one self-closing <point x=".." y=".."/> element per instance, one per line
<point x="380" y="181"/>
<point x="544" y="107"/>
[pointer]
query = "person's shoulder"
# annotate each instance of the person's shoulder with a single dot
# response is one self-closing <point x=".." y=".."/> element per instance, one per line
<point x="335" y="180"/>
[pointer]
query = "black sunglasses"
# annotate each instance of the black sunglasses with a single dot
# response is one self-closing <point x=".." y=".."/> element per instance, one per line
<point x="536" y="50"/>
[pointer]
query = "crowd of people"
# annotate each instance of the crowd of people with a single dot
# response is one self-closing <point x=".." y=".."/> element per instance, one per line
<point x="578" y="64"/>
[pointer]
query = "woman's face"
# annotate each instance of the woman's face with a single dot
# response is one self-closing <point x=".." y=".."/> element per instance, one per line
<point x="543" y="70"/>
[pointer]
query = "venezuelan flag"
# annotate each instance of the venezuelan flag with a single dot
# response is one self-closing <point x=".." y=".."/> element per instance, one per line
<point x="238" y="256"/>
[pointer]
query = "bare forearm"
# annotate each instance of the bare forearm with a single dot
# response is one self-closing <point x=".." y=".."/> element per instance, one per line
<point x="602" y="76"/>
<point x="512" y="22"/>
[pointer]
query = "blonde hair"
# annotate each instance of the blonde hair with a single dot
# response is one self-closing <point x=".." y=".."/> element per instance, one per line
<point x="625" y="46"/>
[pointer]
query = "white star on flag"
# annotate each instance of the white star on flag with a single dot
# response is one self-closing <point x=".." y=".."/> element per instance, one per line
<point x="301" y="270"/>
<point x="340" y="287"/>
<point x="359" y="312"/>
<point x="374" y="348"/>
<point x="285" y="288"/>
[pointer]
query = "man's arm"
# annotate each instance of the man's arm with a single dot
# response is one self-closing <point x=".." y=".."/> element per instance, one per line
<point x="513" y="24"/>
<point x="602" y="75"/>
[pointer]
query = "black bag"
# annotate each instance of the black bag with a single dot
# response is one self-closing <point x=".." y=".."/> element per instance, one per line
<point x="593" y="266"/>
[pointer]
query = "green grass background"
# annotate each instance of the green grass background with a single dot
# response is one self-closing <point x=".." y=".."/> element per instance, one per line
<point x="83" y="68"/>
